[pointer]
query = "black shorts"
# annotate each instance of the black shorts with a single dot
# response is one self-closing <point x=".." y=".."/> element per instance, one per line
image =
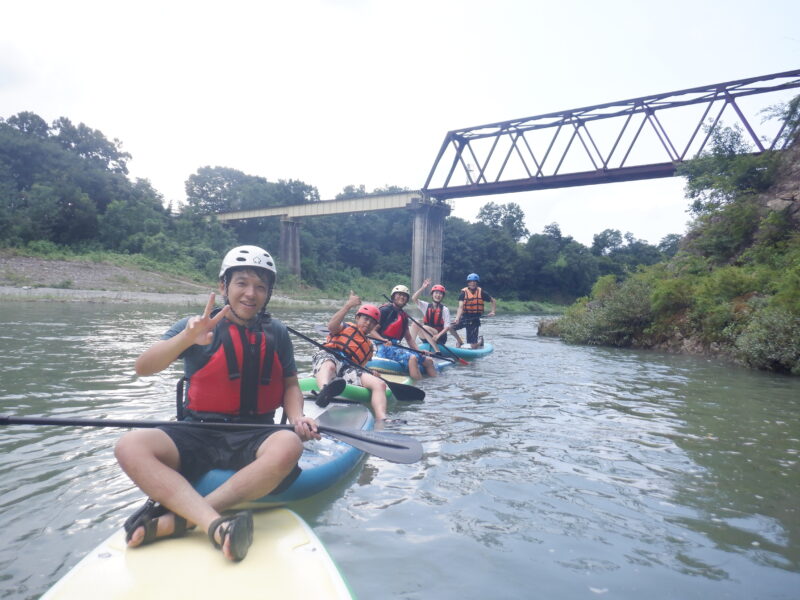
<point x="472" y="324"/>
<point x="204" y="448"/>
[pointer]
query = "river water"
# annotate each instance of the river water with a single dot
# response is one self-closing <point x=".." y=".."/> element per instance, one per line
<point x="550" y="471"/>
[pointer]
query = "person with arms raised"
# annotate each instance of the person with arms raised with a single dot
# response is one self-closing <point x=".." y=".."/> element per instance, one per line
<point x="240" y="366"/>
<point x="435" y="315"/>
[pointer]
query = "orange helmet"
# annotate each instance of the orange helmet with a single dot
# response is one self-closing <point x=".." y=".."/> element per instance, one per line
<point x="438" y="288"/>
<point x="371" y="311"/>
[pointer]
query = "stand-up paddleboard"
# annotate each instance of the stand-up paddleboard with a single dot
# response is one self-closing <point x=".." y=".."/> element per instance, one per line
<point x="324" y="462"/>
<point x="355" y="393"/>
<point x="286" y="561"/>
<point x="465" y="353"/>
<point x="385" y="365"/>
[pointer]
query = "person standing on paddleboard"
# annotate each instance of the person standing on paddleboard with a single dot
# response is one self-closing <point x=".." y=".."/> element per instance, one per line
<point x="353" y="340"/>
<point x="239" y="363"/>
<point x="471" y="301"/>
<point x="392" y="328"/>
<point x="435" y="315"/>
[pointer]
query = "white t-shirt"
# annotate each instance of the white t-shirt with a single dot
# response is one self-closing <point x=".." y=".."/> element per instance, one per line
<point x="423" y="306"/>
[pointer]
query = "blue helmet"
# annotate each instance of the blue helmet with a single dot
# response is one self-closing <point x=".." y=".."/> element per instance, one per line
<point x="473" y="277"/>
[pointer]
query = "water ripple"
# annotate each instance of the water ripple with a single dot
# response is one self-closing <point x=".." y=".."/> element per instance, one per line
<point x="550" y="471"/>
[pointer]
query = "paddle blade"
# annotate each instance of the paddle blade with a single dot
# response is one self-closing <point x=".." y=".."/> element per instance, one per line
<point x="394" y="447"/>
<point x="406" y="393"/>
<point x="458" y="359"/>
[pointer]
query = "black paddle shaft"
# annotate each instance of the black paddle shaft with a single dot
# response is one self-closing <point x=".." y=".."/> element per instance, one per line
<point x="393" y="447"/>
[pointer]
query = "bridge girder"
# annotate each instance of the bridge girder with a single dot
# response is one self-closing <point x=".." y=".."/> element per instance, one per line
<point x="530" y="153"/>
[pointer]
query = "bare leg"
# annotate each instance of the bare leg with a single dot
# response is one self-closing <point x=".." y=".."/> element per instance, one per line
<point x="413" y="368"/>
<point x="327" y="371"/>
<point x="275" y="459"/>
<point x="415" y="331"/>
<point x="430" y="368"/>
<point x="377" y="387"/>
<point x="150" y="459"/>
<point x="432" y="332"/>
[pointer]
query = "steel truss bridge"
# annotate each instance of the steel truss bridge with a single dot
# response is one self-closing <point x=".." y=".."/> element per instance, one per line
<point x="640" y="138"/>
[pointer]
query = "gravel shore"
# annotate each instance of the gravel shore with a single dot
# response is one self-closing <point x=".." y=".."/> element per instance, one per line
<point x="36" y="279"/>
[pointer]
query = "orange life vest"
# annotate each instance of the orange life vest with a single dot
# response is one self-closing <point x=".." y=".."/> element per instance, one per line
<point x="433" y="317"/>
<point x="473" y="301"/>
<point x="243" y="377"/>
<point x="352" y="342"/>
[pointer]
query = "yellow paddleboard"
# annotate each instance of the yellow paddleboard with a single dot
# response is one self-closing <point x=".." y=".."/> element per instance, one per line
<point x="287" y="560"/>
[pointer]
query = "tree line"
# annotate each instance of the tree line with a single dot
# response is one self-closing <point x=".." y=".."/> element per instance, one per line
<point x="733" y="287"/>
<point x="68" y="185"/>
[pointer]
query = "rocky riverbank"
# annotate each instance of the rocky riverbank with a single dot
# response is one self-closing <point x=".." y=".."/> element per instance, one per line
<point x="27" y="278"/>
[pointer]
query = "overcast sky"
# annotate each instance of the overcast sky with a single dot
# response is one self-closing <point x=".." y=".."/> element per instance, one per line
<point x="339" y="92"/>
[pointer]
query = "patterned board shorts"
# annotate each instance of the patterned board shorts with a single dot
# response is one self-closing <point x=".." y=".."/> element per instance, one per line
<point x="350" y="374"/>
<point x="394" y="353"/>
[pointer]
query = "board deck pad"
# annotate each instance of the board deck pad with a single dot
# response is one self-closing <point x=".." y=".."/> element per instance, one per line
<point x="287" y="561"/>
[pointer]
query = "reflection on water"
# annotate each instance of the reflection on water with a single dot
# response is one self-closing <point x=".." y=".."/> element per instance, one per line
<point x="550" y="471"/>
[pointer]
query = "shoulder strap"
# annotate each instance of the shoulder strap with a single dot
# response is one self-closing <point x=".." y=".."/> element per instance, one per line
<point x="248" y="394"/>
<point x="269" y="354"/>
<point x="230" y="353"/>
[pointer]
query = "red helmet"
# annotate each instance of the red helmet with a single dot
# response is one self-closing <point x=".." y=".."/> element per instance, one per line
<point x="371" y="311"/>
<point x="438" y="288"/>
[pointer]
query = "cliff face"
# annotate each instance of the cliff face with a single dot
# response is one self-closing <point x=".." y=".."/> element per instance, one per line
<point x="784" y="195"/>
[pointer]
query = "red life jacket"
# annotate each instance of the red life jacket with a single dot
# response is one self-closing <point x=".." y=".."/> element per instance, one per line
<point x="473" y="301"/>
<point x="433" y="317"/>
<point x="396" y="328"/>
<point x="243" y="377"/>
<point x="350" y="341"/>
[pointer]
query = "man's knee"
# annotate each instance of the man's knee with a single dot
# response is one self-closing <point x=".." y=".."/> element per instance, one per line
<point x="286" y="448"/>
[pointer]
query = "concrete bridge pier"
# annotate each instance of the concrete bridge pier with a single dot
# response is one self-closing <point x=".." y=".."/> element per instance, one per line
<point x="426" y="243"/>
<point x="290" y="245"/>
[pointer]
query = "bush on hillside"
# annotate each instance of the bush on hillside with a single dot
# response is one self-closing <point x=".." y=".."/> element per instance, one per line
<point x="771" y="341"/>
<point x="617" y="314"/>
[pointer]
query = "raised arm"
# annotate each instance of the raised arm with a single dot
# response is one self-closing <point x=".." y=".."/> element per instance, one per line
<point x="335" y="323"/>
<point x="199" y="330"/>
<point x="425" y="284"/>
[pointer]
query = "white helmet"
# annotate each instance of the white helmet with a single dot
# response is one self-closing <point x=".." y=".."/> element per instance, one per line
<point x="400" y="289"/>
<point x="248" y="256"/>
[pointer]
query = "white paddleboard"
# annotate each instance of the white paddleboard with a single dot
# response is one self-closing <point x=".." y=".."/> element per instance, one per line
<point x="286" y="561"/>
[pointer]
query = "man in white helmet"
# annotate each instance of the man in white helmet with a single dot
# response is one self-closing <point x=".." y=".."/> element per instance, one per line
<point x="240" y="367"/>
<point x="392" y="328"/>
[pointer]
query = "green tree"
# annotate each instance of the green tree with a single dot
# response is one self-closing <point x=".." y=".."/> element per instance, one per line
<point x="509" y="218"/>
<point x="726" y="171"/>
<point x="91" y="145"/>
<point x="606" y="242"/>
<point x="30" y="124"/>
<point x="670" y="244"/>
